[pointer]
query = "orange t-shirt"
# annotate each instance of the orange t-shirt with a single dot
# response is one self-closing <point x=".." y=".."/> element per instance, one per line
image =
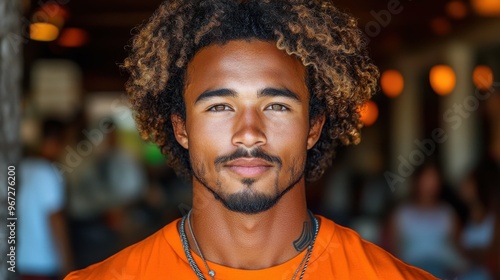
<point x="339" y="253"/>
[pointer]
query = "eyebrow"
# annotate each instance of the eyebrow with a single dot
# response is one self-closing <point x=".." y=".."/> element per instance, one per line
<point x="283" y="92"/>
<point x="215" y="93"/>
<point x="266" y="92"/>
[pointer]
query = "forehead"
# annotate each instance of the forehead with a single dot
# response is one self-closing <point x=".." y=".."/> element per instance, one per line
<point x="242" y="63"/>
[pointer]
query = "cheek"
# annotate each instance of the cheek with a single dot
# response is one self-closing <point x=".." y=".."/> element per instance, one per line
<point x="289" y="141"/>
<point x="206" y="139"/>
<point x="291" y="134"/>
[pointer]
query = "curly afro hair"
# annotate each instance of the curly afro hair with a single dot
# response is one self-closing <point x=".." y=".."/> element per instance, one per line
<point x="340" y="75"/>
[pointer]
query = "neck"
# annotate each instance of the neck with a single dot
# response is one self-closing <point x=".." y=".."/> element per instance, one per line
<point x="251" y="241"/>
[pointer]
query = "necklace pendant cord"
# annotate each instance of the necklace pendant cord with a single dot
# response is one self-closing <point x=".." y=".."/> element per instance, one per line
<point x="196" y="269"/>
<point x="185" y="246"/>
<point x="210" y="271"/>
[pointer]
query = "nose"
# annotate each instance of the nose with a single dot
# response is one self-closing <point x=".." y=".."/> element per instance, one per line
<point x="249" y="129"/>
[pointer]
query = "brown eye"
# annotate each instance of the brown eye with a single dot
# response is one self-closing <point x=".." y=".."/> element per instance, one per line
<point x="220" y="108"/>
<point x="277" y="107"/>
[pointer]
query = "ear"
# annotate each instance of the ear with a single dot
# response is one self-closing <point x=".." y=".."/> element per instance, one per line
<point x="180" y="133"/>
<point x="315" y="131"/>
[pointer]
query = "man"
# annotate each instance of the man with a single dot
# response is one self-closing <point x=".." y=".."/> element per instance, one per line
<point x="44" y="247"/>
<point x="249" y="99"/>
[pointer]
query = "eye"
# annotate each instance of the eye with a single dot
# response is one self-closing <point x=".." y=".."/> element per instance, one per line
<point x="219" y="108"/>
<point x="277" y="107"/>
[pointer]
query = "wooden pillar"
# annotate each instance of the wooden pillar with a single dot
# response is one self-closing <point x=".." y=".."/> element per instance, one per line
<point x="460" y="111"/>
<point x="10" y="92"/>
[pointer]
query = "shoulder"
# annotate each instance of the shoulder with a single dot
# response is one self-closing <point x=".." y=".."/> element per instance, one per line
<point x="151" y="258"/>
<point x="351" y="257"/>
<point x="39" y="171"/>
<point x="32" y="165"/>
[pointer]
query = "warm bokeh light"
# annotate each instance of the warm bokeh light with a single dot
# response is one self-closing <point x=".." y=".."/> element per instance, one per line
<point x="440" y="26"/>
<point x="482" y="77"/>
<point x="369" y="113"/>
<point x="73" y="37"/>
<point x="486" y="7"/>
<point x="442" y="79"/>
<point x="41" y="31"/>
<point x="392" y="83"/>
<point x="456" y="9"/>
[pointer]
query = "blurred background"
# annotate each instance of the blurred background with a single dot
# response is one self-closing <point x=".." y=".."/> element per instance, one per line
<point x="423" y="183"/>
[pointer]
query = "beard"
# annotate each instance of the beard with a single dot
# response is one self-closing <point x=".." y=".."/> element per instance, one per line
<point x="248" y="200"/>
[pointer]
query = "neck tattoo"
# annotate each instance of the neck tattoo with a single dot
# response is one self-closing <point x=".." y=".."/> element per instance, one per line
<point x="305" y="237"/>
<point x="299" y="243"/>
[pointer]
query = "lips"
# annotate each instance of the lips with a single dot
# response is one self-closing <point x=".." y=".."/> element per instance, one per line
<point x="248" y="167"/>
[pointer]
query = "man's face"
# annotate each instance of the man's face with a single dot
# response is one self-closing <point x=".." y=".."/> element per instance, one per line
<point x="247" y="123"/>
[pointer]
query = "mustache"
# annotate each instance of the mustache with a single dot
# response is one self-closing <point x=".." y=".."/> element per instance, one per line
<point x="244" y="153"/>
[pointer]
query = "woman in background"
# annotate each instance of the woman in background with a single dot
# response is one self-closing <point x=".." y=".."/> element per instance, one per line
<point x="476" y="241"/>
<point x="425" y="228"/>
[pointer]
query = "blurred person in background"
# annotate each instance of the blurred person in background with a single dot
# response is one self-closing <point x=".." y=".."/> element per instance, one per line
<point x="481" y="192"/>
<point x="44" y="247"/>
<point x="425" y="229"/>
<point x="103" y="188"/>
<point x="478" y="191"/>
